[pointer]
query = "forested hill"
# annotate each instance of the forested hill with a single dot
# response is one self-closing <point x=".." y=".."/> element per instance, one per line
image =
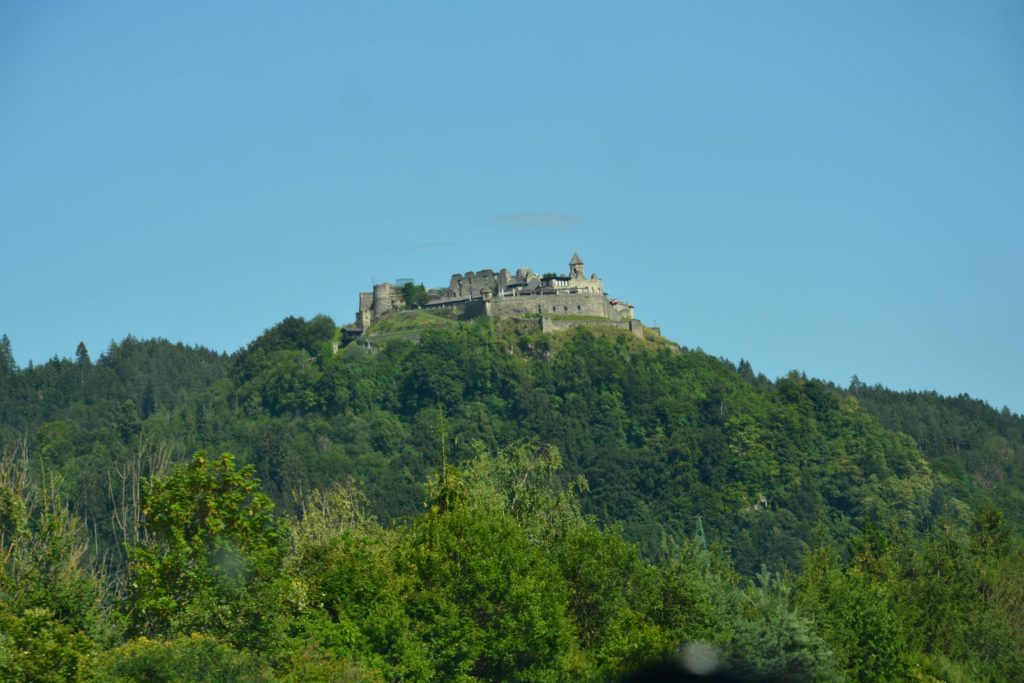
<point x="150" y="374"/>
<point x="478" y="501"/>
<point x="663" y="435"/>
<point x="977" y="450"/>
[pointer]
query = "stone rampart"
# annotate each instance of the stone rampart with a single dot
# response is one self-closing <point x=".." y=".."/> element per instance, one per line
<point x="562" y="303"/>
<point x="548" y="324"/>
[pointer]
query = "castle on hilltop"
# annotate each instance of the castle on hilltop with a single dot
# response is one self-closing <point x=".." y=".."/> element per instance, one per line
<point x="557" y="301"/>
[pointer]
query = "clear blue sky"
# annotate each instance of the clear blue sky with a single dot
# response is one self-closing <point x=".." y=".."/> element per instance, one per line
<point x="832" y="188"/>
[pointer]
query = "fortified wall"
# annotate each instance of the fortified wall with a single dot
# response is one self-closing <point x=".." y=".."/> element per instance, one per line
<point x="557" y="301"/>
<point x="591" y="304"/>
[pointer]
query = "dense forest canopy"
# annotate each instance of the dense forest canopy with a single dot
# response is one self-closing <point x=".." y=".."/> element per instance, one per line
<point x="480" y="501"/>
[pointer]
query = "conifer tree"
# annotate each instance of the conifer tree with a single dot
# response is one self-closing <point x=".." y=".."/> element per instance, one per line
<point x="7" y="364"/>
<point x="82" y="355"/>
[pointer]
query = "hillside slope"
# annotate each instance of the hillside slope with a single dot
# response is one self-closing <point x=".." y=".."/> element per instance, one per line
<point x="455" y="501"/>
<point x="663" y="435"/>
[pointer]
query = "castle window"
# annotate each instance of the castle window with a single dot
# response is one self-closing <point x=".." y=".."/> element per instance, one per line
<point x="578" y="307"/>
<point x="565" y="309"/>
<point x="554" y="308"/>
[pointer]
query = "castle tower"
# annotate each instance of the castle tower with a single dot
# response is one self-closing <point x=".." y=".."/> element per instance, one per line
<point x="576" y="267"/>
<point x="381" y="299"/>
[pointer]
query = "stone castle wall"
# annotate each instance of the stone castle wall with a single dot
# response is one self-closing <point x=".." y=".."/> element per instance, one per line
<point x="472" y="284"/>
<point x="634" y="327"/>
<point x="581" y="304"/>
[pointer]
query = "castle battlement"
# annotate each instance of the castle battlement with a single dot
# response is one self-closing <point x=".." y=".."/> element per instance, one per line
<point x="559" y="301"/>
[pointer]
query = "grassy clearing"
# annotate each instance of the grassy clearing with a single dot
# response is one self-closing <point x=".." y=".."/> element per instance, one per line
<point x="411" y="321"/>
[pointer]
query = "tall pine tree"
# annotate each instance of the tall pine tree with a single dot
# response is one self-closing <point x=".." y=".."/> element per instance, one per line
<point x="82" y="355"/>
<point x="7" y="364"/>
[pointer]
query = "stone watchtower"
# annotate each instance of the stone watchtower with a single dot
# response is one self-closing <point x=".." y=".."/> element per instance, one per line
<point x="579" y="281"/>
<point x="382" y="295"/>
<point x="576" y="267"/>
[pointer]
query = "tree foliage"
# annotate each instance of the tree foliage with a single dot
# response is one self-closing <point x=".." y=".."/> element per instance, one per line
<point x="212" y="555"/>
<point x="603" y="502"/>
